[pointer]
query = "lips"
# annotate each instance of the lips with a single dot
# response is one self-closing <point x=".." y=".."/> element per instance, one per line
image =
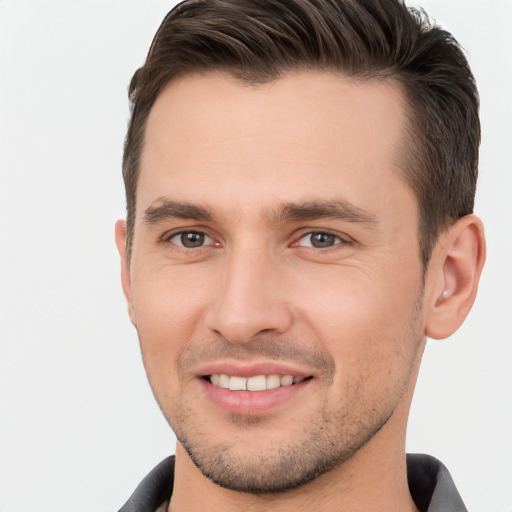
<point x="253" y="389"/>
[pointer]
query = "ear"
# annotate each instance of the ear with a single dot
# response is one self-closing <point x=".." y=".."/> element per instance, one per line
<point x="120" y="231"/>
<point x="453" y="276"/>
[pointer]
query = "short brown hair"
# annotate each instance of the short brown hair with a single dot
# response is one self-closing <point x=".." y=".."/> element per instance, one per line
<point x="258" y="41"/>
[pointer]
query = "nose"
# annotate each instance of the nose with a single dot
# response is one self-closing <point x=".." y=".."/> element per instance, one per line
<point x="250" y="298"/>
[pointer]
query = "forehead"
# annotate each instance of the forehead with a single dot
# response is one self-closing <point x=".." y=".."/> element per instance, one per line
<point x="213" y="138"/>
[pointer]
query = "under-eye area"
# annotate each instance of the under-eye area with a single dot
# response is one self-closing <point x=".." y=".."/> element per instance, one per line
<point x="255" y="383"/>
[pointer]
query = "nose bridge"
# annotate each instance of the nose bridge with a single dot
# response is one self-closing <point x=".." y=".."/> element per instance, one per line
<point x="249" y="299"/>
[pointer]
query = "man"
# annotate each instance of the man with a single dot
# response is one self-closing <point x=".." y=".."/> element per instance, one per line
<point x="300" y="177"/>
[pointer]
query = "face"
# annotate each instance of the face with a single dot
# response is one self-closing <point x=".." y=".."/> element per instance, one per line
<point x="275" y="279"/>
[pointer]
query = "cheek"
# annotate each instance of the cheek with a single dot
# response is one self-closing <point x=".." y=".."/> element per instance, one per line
<point x="370" y="325"/>
<point x="168" y="308"/>
<point x="167" y="303"/>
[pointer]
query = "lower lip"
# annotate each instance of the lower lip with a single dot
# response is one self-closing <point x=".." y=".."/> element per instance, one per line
<point x="251" y="403"/>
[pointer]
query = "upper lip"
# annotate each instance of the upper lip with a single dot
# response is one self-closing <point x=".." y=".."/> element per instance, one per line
<point x="241" y="369"/>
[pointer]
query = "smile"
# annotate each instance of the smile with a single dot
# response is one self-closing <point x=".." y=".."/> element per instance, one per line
<point x="255" y="383"/>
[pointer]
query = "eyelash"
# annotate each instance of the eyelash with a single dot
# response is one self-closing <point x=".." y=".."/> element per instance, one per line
<point x="339" y="240"/>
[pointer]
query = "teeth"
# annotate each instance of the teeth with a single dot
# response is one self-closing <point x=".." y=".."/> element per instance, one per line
<point x="237" y="383"/>
<point x="256" y="383"/>
<point x="223" y="381"/>
<point x="286" y="380"/>
<point x="273" y="381"/>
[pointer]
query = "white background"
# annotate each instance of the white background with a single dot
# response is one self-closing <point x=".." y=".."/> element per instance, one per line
<point x="78" y="424"/>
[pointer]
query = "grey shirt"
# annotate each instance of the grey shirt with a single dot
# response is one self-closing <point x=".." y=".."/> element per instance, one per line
<point x="430" y="483"/>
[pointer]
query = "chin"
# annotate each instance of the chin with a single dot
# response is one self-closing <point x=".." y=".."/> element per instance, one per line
<point x="266" y="466"/>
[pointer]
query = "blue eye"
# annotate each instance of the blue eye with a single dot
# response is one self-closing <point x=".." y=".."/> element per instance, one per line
<point x="191" y="239"/>
<point x="319" y="240"/>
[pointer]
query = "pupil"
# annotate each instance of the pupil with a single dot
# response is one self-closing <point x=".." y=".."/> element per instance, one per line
<point x="321" y="240"/>
<point x="192" y="239"/>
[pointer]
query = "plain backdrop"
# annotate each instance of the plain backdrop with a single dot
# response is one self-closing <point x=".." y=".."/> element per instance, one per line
<point x="78" y="424"/>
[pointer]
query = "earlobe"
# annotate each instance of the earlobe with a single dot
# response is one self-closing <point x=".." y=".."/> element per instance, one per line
<point x="453" y="275"/>
<point x="120" y="235"/>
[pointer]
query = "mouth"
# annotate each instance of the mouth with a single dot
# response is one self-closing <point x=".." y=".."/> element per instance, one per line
<point x="254" y="383"/>
<point x="254" y="388"/>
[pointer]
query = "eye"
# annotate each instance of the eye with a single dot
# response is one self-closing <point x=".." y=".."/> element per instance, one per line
<point x="191" y="239"/>
<point x="319" y="240"/>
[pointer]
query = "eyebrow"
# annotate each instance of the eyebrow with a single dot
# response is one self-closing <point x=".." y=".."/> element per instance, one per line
<point x="339" y="209"/>
<point x="165" y="209"/>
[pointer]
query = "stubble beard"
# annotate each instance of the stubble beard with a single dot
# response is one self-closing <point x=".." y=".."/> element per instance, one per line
<point x="326" y="444"/>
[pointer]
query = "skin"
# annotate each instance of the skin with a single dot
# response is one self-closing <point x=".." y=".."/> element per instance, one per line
<point x="246" y="165"/>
